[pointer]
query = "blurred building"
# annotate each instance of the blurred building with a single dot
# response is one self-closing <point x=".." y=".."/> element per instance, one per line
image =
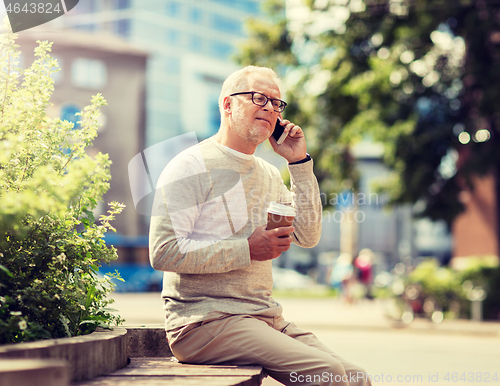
<point x="475" y="230"/>
<point x="91" y="64"/>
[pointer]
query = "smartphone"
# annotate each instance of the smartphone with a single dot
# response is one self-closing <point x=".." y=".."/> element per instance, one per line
<point x="279" y="132"/>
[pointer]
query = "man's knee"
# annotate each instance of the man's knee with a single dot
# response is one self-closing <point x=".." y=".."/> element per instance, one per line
<point x="336" y="373"/>
<point x="331" y="369"/>
<point x="358" y="376"/>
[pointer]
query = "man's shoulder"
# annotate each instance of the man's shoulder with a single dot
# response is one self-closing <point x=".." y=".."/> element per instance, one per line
<point x="189" y="162"/>
<point x="265" y="165"/>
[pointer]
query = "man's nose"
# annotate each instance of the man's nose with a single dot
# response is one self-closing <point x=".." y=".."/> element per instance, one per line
<point x="269" y="102"/>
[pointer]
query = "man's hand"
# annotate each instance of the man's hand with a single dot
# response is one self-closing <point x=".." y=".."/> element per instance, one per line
<point x="268" y="245"/>
<point x="294" y="147"/>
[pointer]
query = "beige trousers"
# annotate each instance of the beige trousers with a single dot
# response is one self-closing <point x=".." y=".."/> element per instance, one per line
<point x="288" y="354"/>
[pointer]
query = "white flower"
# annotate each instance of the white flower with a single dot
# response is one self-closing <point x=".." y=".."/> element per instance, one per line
<point x="23" y="325"/>
<point x="60" y="258"/>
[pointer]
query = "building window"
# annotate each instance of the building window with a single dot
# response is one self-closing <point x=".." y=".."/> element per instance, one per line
<point x="248" y="6"/>
<point x="195" y="15"/>
<point x="122" y="27"/>
<point x="88" y="73"/>
<point x="122" y="4"/>
<point x="173" y="9"/>
<point x="225" y="24"/>
<point x="87" y="6"/>
<point x="69" y="113"/>
<point x="86" y="27"/>
<point x="221" y="50"/>
<point x="195" y="43"/>
<point x="173" y="37"/>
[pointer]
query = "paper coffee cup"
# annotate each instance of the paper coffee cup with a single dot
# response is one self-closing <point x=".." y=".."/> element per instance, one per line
<point x="279" y="215"/>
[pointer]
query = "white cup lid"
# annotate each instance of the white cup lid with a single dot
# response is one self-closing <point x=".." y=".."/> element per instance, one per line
<point x="281" y="209"/>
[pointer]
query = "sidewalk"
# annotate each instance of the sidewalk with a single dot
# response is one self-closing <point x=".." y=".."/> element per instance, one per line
<point x="371" y="315"/>
<point x="146" y="309"/>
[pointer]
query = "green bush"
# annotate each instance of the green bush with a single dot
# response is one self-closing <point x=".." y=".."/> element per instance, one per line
<point x="451" y="291"/>
<point x="50" y="244"/>
<point x="485" y="277"/>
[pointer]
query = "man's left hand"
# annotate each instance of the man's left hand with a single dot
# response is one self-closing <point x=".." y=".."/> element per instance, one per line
<point x="294" y="147"/>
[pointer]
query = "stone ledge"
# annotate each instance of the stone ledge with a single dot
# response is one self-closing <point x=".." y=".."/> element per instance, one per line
<point x="87" y="356"/>
<point x="147" y="341"/>
<point x="21" y="372"/>
<point x="163" y="371"/>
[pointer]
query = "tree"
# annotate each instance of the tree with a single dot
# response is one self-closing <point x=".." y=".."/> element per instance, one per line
<point x="420" y="76"/>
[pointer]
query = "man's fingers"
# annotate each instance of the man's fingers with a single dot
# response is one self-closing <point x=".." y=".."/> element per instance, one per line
<point x="283" y="231"/>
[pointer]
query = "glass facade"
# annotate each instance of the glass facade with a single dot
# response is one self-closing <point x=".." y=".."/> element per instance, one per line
<point x="189" y="41"/>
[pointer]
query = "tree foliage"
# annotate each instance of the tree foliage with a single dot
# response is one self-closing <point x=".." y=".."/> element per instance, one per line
<point x="50" y="244"/>
<point x="415" y="75"/>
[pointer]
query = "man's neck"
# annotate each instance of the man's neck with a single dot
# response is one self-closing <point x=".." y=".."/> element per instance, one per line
<point x="234" y="142"/>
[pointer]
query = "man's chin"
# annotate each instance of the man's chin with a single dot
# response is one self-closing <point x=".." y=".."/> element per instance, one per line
<point x="259" y="134"/>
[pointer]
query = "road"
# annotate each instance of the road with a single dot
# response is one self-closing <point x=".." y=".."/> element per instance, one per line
<point x="422" y="356"/>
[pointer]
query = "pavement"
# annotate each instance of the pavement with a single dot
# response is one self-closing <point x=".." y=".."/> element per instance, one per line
<point x="423" y="353"/>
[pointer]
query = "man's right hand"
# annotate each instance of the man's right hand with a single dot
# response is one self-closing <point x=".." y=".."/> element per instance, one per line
<point x="268" y="245"/>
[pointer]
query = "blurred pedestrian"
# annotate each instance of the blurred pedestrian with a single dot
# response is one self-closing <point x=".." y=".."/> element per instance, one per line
<point x="342" y="276"/>
<point x="364" y="265"/>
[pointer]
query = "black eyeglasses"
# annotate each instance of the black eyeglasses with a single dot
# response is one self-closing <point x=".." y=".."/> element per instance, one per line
<point x="261" y="100"/>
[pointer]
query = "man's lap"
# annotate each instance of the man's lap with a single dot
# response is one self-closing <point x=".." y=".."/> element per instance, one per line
<point x="278" y="346"/>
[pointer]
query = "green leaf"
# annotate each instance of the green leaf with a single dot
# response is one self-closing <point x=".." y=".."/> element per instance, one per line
<point x="6" y="271"/>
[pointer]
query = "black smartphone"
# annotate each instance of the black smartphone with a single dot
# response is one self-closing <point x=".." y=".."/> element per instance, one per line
<point x="279" y="132"/>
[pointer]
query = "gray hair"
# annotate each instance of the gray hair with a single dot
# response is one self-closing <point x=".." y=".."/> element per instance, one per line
<point x="237" y="82"/>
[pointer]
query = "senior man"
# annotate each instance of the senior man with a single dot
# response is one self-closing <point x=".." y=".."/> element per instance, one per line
<point x="216" y="253"/>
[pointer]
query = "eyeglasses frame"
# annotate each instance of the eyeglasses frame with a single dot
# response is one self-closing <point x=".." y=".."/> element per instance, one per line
<point x="267" y="99"/>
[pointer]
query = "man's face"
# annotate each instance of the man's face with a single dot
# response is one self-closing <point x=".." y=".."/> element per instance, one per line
<point x="251" y="122"/>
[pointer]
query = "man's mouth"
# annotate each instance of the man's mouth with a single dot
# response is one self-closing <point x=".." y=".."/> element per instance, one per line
<point x="265" y="120"/>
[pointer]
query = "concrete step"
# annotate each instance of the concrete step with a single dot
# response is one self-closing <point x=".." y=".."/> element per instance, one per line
<point x="87" y="356"/>
<point x="33" y="372"/>
<point x="164" y="371"/>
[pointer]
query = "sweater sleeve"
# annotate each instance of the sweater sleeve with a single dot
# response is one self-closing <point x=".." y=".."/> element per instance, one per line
<point x="306" y="198"/>
<point x="185" y="236"/>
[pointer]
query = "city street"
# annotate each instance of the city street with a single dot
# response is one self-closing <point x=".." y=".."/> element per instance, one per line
<point x="454" y="353"/>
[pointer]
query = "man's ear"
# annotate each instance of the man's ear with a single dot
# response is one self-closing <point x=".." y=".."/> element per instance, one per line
<point x="227" y="105"/>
